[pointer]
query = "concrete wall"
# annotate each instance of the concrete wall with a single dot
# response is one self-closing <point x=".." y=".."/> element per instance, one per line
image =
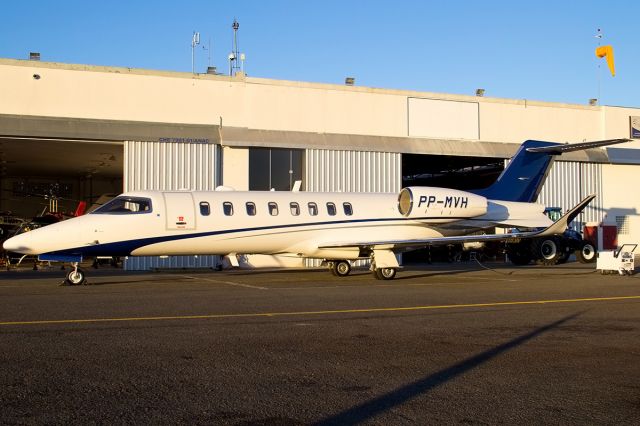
<point x="235" y="168"/>
<point x="65" y="90"/>
<point x="621" y="198"/>
<point x="522" y="120"/>
<point x="121" y="94"/>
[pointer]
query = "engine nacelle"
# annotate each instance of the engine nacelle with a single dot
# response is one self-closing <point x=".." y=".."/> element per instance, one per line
<point x="444" y="205"/>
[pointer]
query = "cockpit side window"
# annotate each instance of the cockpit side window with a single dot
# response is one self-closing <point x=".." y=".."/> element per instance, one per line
<point x="125" y="205"/>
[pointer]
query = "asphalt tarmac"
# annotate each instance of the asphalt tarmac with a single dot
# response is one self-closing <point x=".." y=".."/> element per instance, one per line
<point x="449" y="344"/>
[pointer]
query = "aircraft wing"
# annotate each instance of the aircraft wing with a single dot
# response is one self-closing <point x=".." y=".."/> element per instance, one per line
<point x="399" y="245"/>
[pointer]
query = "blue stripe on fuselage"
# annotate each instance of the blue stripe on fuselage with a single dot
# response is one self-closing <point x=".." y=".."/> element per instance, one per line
<point x="125" y="248"/>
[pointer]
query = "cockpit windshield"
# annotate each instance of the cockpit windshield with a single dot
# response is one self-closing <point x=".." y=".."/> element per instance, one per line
<point x="125" y="205"/>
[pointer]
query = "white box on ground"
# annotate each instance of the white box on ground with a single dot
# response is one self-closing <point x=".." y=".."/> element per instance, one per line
<point x="621" y="261"/>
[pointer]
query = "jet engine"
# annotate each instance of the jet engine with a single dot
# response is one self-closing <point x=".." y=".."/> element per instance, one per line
<point x="423" y="202"/>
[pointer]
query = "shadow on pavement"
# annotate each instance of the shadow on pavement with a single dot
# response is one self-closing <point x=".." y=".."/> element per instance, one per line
<point x="369" y="409"/>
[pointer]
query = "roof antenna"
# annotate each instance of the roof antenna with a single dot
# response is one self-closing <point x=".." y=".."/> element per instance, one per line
<point x="195" y="40"/>
<point x="599" y="37"/>
<point x="235" y="56"/>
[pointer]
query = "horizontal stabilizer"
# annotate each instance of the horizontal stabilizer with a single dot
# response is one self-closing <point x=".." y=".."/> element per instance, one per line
<point x="561" y="148"/>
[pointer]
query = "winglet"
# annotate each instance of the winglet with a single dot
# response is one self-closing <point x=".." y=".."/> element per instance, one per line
<point x="561" y="225"/>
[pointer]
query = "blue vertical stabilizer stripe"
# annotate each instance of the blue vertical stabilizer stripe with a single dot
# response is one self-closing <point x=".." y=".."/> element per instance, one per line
<point x="523" y="178"/>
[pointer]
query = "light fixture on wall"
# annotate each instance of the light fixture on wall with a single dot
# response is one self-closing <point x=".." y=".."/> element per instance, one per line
<point x="350" y="81"/>
<point x="480" y="92"/>
<point x="593" y="101"/>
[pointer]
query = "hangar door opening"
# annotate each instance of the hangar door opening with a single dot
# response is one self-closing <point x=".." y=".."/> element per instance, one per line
<point x="449" y="171"/>
<point x="42" y="175"/>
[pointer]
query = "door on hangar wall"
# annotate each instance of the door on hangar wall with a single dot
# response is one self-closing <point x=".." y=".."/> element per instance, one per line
<point x="171" y="166"/>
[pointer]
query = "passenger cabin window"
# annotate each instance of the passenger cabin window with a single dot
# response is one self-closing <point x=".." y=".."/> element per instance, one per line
<point x="331" y="209"/>
<point x="205" y="209"/>
<point x="348" y="210"/>
<point x="295" y="209"/>
<point x="313" y="209"/>
<point x="251" y="209"/>
<point x="227" y="208"/>
<point x="273" y="208"/>
<point x="125" y="205"/>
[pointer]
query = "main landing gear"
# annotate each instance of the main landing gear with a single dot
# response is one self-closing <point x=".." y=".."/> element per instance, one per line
<point x="342" y="268"/>
<point x="339" y="268"/>
<point x="76" y="276"/>
<point x="384" y="273"/>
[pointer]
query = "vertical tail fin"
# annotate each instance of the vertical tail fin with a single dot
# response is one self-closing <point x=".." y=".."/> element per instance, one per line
<point x="523" y="178"/>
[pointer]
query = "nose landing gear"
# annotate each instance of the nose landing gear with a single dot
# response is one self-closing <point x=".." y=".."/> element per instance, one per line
<point x="76" y="276"/>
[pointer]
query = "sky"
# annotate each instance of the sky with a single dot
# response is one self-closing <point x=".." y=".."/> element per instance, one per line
<point x="537" y="50"/>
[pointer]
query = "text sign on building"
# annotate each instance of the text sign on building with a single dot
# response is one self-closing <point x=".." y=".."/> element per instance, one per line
<point x="635" y="127"/>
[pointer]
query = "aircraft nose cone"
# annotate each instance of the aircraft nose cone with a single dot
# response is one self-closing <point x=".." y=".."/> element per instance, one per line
<point x="17" y="244"/>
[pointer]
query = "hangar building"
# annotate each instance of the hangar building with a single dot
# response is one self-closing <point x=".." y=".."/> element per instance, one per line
<point x="75" y="132"/>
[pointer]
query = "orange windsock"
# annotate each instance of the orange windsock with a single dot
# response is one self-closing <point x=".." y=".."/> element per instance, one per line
<point x="602" y="51"/>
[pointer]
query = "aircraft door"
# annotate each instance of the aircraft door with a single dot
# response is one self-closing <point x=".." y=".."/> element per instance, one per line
<point x="180" y="210"/>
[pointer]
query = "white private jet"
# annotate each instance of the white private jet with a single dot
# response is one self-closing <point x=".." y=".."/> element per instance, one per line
<point x="335" y="227"/>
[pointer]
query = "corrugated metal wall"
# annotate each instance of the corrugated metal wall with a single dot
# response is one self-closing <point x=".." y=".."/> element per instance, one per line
<point x="351" y="171"/>
<point x="568" y="183"/>
<point x="170" y="166"/>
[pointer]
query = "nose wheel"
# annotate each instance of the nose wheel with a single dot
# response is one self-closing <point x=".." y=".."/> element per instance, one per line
<point x="76" y="276"/>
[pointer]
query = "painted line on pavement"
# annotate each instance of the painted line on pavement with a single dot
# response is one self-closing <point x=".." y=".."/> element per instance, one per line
<point x="227" y="282"/>
<point x="310" y="313"/>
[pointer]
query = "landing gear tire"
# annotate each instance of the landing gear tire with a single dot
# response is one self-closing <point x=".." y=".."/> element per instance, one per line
<point x="385" y="273"/>
<point x="587" y="253"/>
<point x="547" y="251"/>
<point x="75" y="277"/>
<point x="343" y="268"/>
<point x="340" y="268"/>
